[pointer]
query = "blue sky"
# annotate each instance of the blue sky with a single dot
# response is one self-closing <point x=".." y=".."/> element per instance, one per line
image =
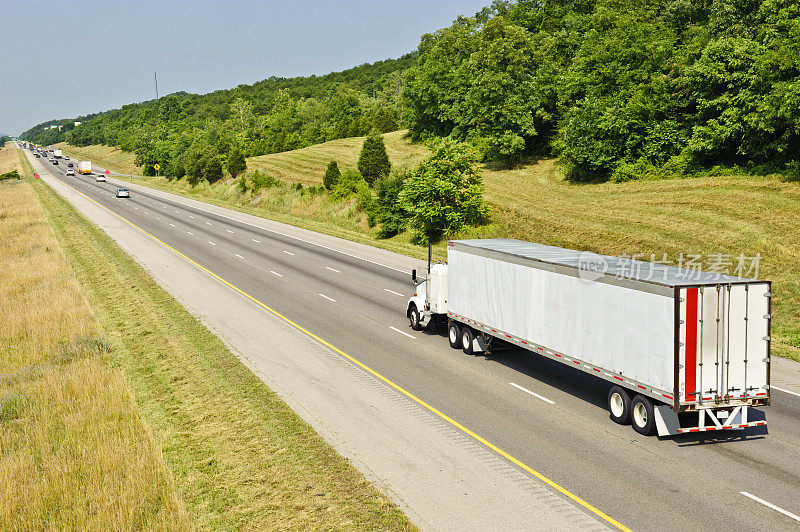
<point x="71" y="58"/>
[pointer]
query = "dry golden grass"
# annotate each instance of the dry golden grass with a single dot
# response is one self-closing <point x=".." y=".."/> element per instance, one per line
<point x="728" y="215"/>
<point x="9" y="159"/>
<point x="239" y="456"/>
<point x="74" y="451"/>
<point x="105" y="156"/>
<point x="307" y="165"/>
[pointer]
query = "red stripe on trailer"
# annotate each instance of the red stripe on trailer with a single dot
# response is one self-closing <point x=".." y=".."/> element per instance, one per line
<point x="667" y="396"/>
<point x="597" y="370"/>
<point x="508" y="336"/>
<point x="557" y="355"/>
<point x="619" y="378"/>
<point x="524" y="342"/>
<point x="577" y="362"/>
<point x="691" y="342"/>
<point x="762" y="393"/>
<point x="642" y="387"/>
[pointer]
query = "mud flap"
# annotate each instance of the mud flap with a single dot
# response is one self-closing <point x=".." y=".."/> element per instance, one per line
<point x="479" y="345"/>
<point x="667" y="423"/>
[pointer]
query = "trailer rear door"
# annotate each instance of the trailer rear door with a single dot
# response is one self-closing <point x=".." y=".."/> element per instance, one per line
<point x="724" y="342"/>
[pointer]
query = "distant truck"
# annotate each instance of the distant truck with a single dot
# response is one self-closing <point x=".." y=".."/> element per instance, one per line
<point x="685" y="350"/>
<point x="57" y="154"/>
<point x="85" y="167"/>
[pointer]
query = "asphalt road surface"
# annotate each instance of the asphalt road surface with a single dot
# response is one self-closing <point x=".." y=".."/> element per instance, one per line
<point x="544" y="415"/>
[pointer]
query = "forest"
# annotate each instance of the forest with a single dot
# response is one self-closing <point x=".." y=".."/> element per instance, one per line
<point x="615" y="90"/>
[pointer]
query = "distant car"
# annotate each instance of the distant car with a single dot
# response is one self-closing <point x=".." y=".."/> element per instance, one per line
<point x="37" y="155"/>
<point x="55" y="162"/>
<point x="123" y="193"/>
<point x="66" y="157"/>
<point x="69" y="165"/>
<point x="70" y="171"/>
<point x="100" y="177"/>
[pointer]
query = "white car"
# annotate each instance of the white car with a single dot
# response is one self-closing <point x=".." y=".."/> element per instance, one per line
<point x="66" y="157"/>
<point x="123" y="193"/>
<point x="100" y="177"/>
<point x="70" y="171"/>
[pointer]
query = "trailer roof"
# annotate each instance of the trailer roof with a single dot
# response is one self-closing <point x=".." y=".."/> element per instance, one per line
<point x="604" y="265"/>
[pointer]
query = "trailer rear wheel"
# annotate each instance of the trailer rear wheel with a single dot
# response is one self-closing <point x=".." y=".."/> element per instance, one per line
<point x="454" y="334"/>
<point x="619" y="404"/>
<point x="643" y="415"/>
<point x="467" y="338"/>
<point x="413" y="318"/>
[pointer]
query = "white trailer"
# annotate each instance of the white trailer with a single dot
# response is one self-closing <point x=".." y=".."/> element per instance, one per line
<point x="57" y="154"/>
<point x="685" y="350"/>
<point x="85" y="167"/>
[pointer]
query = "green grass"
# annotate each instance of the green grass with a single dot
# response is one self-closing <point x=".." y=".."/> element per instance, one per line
<point x="238" y="456"/>
<point x="729" y="215"/>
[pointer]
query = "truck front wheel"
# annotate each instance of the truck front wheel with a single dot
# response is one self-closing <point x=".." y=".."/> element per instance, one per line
<point x="619" y="404"/>
<point x="414" y="318"/>
<point x="643" y="415"/>
<point x="454" y="334"/>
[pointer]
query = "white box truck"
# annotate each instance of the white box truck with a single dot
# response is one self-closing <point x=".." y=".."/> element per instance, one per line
<point x="85" y="167"/>
<point x="685" y="350"/>
<point x="57" y="154"/>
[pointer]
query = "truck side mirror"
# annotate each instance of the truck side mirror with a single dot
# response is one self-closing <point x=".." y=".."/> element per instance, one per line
<point x="414" y="276"/>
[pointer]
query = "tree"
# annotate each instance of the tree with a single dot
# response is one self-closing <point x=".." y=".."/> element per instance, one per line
<point x="236" y="162"/>
<point x="445" y="193"/>
<point x="373" y="163"/>
<point x="213" y="171"/>
<point x="332" y="175"/>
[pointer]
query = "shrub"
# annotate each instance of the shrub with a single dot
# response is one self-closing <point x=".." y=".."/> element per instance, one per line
<point x="213" y="171"/>
<point x="261" y="180"/>
<point x="387" y="210"/>
<point x="332" y="175"/>
<point x="351" y="183"/>
<point x="236" y="163"/>
<point x="373" y="163"/>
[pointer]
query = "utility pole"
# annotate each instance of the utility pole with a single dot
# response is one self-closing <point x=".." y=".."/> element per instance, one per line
<point x="155" y="78"/>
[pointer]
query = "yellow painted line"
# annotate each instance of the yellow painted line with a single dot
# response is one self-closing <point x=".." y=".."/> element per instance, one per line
<point x="366" y="368"/>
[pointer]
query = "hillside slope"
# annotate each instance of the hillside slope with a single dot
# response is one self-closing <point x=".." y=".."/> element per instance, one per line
<point x="718" y="218"/>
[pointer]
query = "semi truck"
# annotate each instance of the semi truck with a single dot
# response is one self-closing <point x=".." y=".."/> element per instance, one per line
<point x="684" y="350"/>
<point x="57" y="154"/>
<point x="85" y="167"/>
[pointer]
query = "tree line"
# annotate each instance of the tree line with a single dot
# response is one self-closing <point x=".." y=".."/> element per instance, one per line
<point x="616" y="90"/>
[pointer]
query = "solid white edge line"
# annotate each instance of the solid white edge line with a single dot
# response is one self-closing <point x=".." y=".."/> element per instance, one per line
<point x="393" y="292"/>
<point x="545" y="399"/>
<point x="275" y="273"/>
<point x="770" y="505"/>
<point x="238" y="255"/>
<point x="332" y="269"/>
<point x="785" y="391"/>
<point x="288" y="252"/>
<point x="395" y="329"/>
<point x="326" y="297"/>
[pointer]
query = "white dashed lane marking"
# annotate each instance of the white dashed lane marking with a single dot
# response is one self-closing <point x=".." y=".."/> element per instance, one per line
<point x="326" y="297"/>
<point x="395" y="329"/>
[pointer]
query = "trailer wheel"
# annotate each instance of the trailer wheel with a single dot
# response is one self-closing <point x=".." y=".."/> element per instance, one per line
<point x="619" y="404"/>
<point x="454" y="334"/>
<point x="413" y="318"/>
<point x="643" y="416"/>
<point x="467" y="337"/>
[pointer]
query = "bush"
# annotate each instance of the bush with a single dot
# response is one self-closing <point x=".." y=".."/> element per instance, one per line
<point x="236" y="163"/>
<point x="387" y="210"/>
<point x="373" y="163"/>
<point x="351" y="183"/>
<point x="13" y="174"/>
<point x="261" y="180"/>
<point x="332" y="175"/>
<point x="213" y="171"/>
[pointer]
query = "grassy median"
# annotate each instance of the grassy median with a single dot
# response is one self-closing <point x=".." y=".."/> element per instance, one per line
<point x="210" y="447"/>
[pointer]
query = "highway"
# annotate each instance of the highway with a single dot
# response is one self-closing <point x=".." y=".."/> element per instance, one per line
<point x="548" y="417"/>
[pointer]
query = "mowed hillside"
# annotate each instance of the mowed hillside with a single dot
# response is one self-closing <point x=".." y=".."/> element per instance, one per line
<point x="718" y="218"/>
